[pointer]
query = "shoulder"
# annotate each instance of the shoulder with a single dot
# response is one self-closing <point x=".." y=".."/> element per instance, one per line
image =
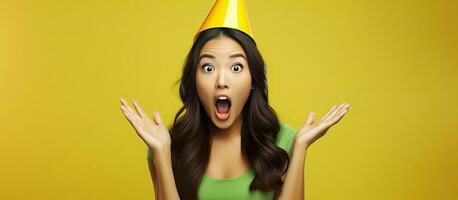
<point x="285" y="137"/>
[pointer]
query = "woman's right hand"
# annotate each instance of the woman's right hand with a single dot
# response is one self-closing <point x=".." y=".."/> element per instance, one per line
<point x="152" y="132"/>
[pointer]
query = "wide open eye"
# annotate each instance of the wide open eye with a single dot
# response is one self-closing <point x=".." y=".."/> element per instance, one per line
<point x="237" y="67"/>
<point x="208" y="68"/>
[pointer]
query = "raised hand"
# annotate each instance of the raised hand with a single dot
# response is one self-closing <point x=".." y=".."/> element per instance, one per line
<point x="310" y="131"/>
<point x="152" y="132"/>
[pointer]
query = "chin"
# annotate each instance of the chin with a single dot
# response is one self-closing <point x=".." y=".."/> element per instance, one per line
<point x="225" y="124"/>
<point x="222" y="124"/>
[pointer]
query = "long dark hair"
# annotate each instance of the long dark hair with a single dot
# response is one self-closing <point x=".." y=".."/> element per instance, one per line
<point x="190" y="132"/>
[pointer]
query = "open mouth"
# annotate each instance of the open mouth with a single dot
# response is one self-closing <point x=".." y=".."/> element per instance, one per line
<point x="222" y="109"/>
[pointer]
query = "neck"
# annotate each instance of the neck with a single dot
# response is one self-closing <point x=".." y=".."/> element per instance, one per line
<point x="231" y="133"/>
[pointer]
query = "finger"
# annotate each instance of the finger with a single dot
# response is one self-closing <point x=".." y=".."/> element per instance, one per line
<point x="334" y="112"/>
<point x="339" y="115"/>
<point x="310" y="118"/>
<point x="139" y="109"/>
<point x="123" y="108"/>
<point x="327" y="114"/>
<point x="128" y="115"/>
<point x="133" y="120"/>
<point x="308" y="122"/>
<point x="128" y="108"/>
<point x="157" y="118"/>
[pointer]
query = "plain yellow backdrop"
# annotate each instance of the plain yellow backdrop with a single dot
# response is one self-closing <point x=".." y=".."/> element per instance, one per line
<point x="65" y="64"/>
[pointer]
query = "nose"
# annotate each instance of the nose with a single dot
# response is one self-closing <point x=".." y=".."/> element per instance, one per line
<point x="221" y="80"/>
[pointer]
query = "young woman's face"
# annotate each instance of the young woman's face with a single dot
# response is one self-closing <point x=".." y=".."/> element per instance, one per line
<point x="222" y="72"/>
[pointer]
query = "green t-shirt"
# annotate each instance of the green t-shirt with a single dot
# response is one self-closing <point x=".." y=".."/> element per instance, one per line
<point x="238" y="187"/>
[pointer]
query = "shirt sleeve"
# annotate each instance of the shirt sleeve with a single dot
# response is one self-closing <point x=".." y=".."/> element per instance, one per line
<point x="149" y="154"/>
<point x="290" y="133"/>
<point x="285" y="138"/>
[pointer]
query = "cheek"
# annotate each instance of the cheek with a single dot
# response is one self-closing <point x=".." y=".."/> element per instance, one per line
<point x="247" y="81"/>
<point x="243" y="89"/>
<point x="203" y="90"/>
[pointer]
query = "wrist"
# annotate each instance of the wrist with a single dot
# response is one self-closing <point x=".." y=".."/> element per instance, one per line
<point x="300" y="146"/>
<point x="162" y="153"/>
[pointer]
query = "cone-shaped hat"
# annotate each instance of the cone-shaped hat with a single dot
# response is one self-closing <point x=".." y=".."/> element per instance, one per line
<point x="229" y="14"/>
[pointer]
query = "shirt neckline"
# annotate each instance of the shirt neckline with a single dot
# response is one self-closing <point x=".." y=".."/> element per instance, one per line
<point x="247" y="172"/>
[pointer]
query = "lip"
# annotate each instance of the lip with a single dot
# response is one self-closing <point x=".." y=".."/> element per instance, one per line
<point x="222" y="94"/>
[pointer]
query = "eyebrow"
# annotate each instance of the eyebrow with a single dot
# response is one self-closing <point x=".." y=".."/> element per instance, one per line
<point x="206" y="55"/>
<point x="237" y="55"/>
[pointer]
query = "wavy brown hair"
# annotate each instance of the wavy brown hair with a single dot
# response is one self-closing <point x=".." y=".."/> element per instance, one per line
<point x="190" y="132"/>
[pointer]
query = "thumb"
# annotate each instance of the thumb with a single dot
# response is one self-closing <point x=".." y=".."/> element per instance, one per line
<point x="308" y="122"/>
<point x="310" y="119"/>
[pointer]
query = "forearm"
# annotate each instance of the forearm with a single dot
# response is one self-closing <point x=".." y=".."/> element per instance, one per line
<point x="293" y="187"/>
<point x="165" y="179"/>
<point x="153" y="173"/>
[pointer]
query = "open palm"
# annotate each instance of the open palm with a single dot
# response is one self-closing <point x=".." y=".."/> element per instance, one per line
<point x="153" y="133"/>
<point x="310" y="131"/>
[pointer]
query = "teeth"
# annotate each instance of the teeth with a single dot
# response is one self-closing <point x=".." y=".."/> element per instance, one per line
<point x="222" y="97"/>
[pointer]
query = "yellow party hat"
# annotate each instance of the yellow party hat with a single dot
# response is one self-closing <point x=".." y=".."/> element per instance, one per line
<point x="229" y="14"/>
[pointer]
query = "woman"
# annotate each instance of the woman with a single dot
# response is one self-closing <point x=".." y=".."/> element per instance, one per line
<point x="226" y="142"/>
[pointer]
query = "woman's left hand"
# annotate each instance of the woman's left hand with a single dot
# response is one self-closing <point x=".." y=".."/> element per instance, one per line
<point x="310" y="132"/>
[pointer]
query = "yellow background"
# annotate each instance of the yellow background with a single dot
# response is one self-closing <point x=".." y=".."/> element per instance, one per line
<point x="65" y="64"/>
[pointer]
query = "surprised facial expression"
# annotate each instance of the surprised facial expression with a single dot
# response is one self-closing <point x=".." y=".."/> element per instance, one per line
<point x="223" y="80"/>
